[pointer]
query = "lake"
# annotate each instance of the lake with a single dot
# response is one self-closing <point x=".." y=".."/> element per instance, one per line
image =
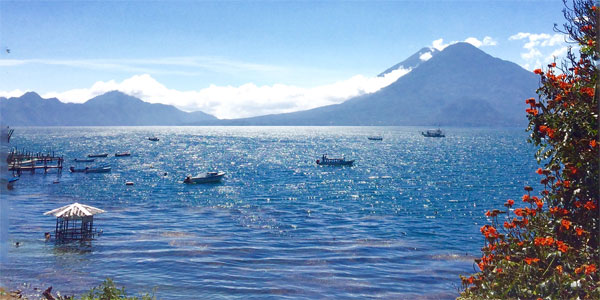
<point x="403" y="222"/>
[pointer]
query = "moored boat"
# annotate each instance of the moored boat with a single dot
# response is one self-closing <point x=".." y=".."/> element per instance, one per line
<point x="433" y="133"/>
<point x="154" y="139"/>
<point x="77" y="170"/>
<point x="98" y="155"/>
<point x="208" y="177"/>
<point x="375" y="138"/>
<point x="102" y="169"/>
<point x="325" y="161"/>
<point x="127" y="153"/>
<point x="83" y="160"/>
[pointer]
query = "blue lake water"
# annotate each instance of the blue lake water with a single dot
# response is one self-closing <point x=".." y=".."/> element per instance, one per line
<point x="403" y="222"/>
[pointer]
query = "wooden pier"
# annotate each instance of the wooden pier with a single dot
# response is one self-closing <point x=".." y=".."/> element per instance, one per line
<point x="21" y="161"/>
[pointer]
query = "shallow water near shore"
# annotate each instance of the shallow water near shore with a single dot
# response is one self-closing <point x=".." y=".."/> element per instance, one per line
<point x="403" y="222"/>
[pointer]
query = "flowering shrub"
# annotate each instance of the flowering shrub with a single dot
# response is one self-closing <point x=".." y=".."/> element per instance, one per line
<point x="546" y="245"/>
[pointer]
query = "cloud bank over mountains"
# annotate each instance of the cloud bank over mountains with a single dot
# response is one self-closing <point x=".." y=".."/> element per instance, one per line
<point x="227" y="102"/>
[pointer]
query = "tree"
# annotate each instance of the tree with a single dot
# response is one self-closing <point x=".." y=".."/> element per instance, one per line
<point x="548" y="246"/>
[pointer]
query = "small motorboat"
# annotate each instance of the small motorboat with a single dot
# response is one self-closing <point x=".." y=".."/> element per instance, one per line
<point x="129" y="183"/>
<point x="122" y="154"/>
<point x="208" y="177"/>
<point x="83" y="160"/>
<point x="98" y="155"/>
<point x="102" y="169"/>
<point x="375" y="138"/>
<point x="325" y="161"/>
<point x="154" y="139"/>
<point x="433" y="133"/>
<point x="77" y="170"/>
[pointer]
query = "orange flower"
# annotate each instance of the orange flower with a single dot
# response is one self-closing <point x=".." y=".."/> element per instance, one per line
<point x="578" y="270"/>
<point x="526" y="198"/>
<point x="530" y="101"/>
<point x="519" y="212"/>
<point x="562" y="247"/>
<point x="590" y="205"/>
<point x="590" y="269"/>
<point x="565" y="223"/>
<point x="539" y="170"/>
<point x="566" y="183"/>
<point x="573" y="170"/>
<point x="537" y="71"/>
<point x="539" y="204"/>
<point x="509" y="225"/>
<point x="588" y="90"/>
<point x="553" y="64"/>
<point x="579" y="230"/>
<point x="532" y="111"/>
<point x="559" y="269"/>
<point x="531" y="260"/>
<point x="590" y="42"/>
<point x="593" y="143"/>
<point x="509" y="203"/>
<point x="577" y="204"/>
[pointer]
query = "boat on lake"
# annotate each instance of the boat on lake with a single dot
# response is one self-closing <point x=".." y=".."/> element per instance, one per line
<point x="98" y="155"/>
<point x="375" y="138"/>
<point x="325" y="161"/>
<point x="208" y="177"/>
<point x="101" y="169"/>
<point x="83" y="160"/>
<point x="433" y="133"/>
<point x="122" y="154"/>
<point x="154" y="139"/>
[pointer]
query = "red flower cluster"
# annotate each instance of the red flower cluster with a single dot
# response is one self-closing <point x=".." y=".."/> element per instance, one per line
<point x="529" y="261"/>
<point x="547" y="241"/>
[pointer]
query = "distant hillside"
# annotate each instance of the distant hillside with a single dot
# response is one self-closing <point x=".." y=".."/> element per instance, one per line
<point x="110" y="109"/>
<point x="459" y="86"/>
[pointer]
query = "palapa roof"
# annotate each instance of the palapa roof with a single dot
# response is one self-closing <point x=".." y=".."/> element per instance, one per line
<point x="74" y="210"/>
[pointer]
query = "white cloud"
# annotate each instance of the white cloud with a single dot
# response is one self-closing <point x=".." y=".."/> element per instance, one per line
<point x="487" y="41"/>
<point x="540" y="46"/>
<point x="557" y="54"/>
<point x="234" y="101"/>
<point x="425" y="56"/>
<point x="13" y="93"/>
<point x="439" y="44"/>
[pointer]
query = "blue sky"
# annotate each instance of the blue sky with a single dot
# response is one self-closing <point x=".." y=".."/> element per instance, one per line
<point x="242" y="58"/>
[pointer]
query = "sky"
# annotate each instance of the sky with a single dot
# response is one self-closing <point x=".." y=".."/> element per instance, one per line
<point x="245" y="58"/>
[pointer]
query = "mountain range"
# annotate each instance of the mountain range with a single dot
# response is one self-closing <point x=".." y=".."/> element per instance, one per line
<point x="110" y="109"/>
<point x="458" y="86"/>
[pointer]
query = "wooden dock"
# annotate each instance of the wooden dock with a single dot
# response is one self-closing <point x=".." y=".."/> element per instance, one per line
<point x="22" y="161"/>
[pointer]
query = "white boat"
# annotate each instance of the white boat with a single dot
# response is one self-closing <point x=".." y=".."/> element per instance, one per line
<point x="325" y="161"/>
<point x="433" y="133"/>
<point x="101" y="169"/>
<point x="208" y="177"/>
